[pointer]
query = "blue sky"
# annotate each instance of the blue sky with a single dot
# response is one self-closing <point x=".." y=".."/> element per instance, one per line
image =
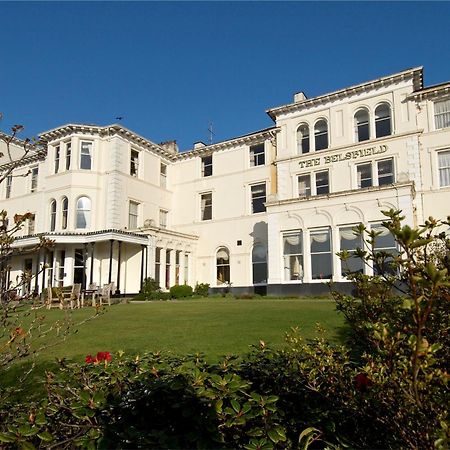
<point x="169" y="68"/>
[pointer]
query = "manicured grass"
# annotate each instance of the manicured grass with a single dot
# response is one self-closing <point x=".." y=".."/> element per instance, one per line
<point x="213" y="326"/>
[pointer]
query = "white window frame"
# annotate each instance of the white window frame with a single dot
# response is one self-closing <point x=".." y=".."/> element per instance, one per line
<point x="68" y="155"/>
<point x="87" y="216"/>
<point x="64" y="213"/>
<point x="300" y="138"/>
<point x="375" y="121"/>
<point x="316" y="231"/>
<point x="257" y="197"/>
<point x="315" y="134"/>
<point x="445" y="114"/>
<point x="375" y="172"/>
<point x="135" y="156"/>
<point x="257" y="157"/>
<point x="57" y="158"/>
<point x="296" y="274"/>
<point x="133" y="216"/>
<point x="8" y="186"/>
<point x="91" y="147"/>
<point x="53" y="211"/>
<point x="313" y="183"/>
<point x="357" y="125"/>
<point x="34" y="174"/>
<point x="443" y="169"/>
<point x="203" y="208"/>
<point x="207" y="167"/>
<point x="163" y="216"/>
<point x="163" y="175"/>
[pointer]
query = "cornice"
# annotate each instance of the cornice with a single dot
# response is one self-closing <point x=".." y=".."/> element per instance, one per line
<point x="241" y="140"/>
<point x="430" y="92"/>
<point x="416" y="74"/>
<point x="106" y="131"/>
<point x="37" y="154"/>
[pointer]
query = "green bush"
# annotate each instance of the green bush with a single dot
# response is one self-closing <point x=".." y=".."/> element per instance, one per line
<point x="181" y="291"/>
<point x="201" y="289"/>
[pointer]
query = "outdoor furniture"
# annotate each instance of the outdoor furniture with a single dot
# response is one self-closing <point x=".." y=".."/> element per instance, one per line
<point x="53" y="301"/>
<point x="92" y="291"/>
<point x="70" y="296"/>
<point x="105" y="294"/>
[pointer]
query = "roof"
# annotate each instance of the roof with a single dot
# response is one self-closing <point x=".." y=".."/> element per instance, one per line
<point x="415" y="73"/>
<point x="431" y="91"/>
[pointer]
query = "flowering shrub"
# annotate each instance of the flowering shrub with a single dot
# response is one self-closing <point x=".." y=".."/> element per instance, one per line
<point x="101" y="356"/>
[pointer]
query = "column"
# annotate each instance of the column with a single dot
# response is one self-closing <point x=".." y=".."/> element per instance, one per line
<point x="335" y="248"/>
<point x="111" y="242"/>
<point x="142" y="264"/>
<point x="119" y="255"/>
<point x="36" y="280"/>
<point x="91" y="274"/>
<point x="181" y="272"/>
<point x="307" y="275"/>
<point x="162" y="269"/>
<point x="83" y="280"/>
<point x="151" y="257"/>
<point x="172" y="260"/>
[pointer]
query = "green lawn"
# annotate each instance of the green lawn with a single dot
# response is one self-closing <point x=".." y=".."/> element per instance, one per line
<point x="213" y="326"/>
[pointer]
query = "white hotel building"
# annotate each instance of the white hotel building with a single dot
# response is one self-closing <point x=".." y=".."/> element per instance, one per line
<point x="263" y="212"/>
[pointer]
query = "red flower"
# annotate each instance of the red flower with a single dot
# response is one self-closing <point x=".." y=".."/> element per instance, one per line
<point x="362" y="382"/>
<point x="101" y="356"/>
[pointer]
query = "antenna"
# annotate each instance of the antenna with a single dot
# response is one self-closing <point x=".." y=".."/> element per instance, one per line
<point x="211" y="133"/>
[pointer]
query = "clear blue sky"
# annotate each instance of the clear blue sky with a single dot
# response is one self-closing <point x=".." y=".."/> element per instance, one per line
<point x="169" y="68"/>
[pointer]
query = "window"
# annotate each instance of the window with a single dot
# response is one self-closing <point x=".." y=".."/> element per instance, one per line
<point x="293" y="256"/>
<point x="362" y="132"/>
<point x="163" y="175"/>
<point x="83" y="214"/>
<point x="86" y="156"/>
<point x="303" y="139"/>
<point x="350" y="242"/>
<point x="444" y="168"/>
<point x="34" y="178"/>
<point x="57" y="157"/>
<point x="68" y="154"/>
<point x="258" y="192"/>
<point x="384" y="243"/>
<point x="321" y="261"/>
<point x="257" y="155"/>
<point x="134" y="163"/>
<point x="163" y="218"/>
<point x="133" y="215"/>
<point x="31" y="223"/>
<point x="207" y="167"/>
<point x="442" y="114"/>
<point x="206" y="206"/>
<point x="223" y="266"/>
<point x="321" y="135"/>
<point x="322" y="183"/>
<point x="9" y="179"/>
<point x="385" y="169"/>
<point x="384" y="173"/>
<point x="79" y="267"/>
<point x="364" y="174"/>
<point x="383" y="126"/>
<point x="319" y="181"/>
<point x="259" y="264"/>
<point x="64" y="212"/>
<point x="52" y="215"/>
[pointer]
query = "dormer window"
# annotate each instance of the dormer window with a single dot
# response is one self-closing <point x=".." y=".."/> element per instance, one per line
<point x="321" y="135"/>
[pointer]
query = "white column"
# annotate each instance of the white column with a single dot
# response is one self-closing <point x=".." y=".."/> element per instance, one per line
<point x="172" y="268"/>
<point x="162" y="268"/>
<point x="335" y="248"/>
<point x="307" y="273"/>
<point x="151" y="256"/>
<point x="181" y="268"/>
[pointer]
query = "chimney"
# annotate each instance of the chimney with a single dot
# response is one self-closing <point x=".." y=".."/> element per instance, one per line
<point x="199" y="145"/>
<point x="299" y="97"/>
<point x="170" y="146"/>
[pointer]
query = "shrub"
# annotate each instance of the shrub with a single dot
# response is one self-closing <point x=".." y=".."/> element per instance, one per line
<point x="180" y="291"/>
<point x="201" y="289"/>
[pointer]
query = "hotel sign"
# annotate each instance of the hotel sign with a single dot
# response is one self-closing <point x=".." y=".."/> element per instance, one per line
<point x="344" y="156"/>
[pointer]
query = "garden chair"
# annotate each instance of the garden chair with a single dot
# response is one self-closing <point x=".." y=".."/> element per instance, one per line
<point x="53" y="301"/>
<point x="105" y="294"/>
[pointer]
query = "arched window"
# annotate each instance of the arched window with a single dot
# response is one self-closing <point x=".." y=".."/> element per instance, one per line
<point x="362" y="132"/>
<point x="321" y="135"/>
<point x="223" y="266"/>
<point x="303" y="139"/>
<point x="65" y="212"/>
<point x="259" y="264"/>
<point x="83" y="212"/>
<point x="383" y="125"/>
<point x="52" y="215"/>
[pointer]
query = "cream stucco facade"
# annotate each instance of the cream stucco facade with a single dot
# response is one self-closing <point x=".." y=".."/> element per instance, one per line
<point x="266" y="211"/>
